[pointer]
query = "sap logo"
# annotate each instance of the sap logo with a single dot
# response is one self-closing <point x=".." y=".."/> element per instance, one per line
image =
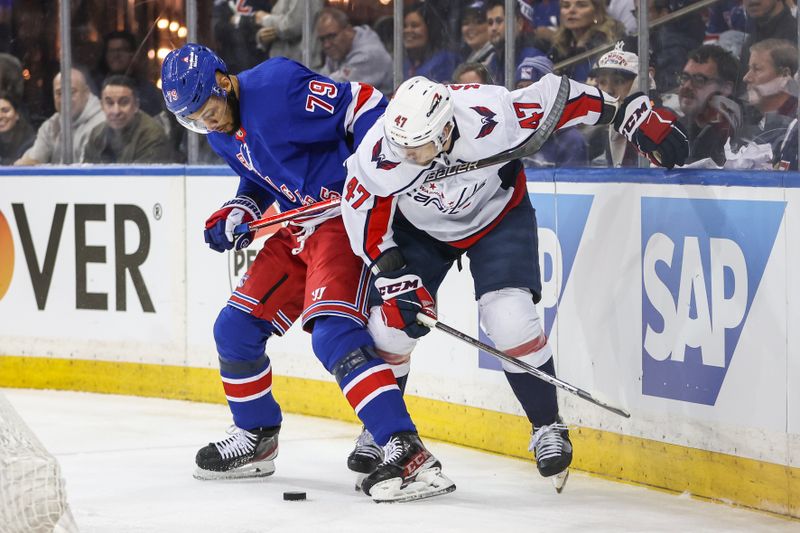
<point x="562" y="220"/>
<point x="702" y="262"/>
<point x="41" y="266"/>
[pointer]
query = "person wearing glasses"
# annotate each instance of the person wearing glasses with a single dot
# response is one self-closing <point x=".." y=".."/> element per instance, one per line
<point x="352" y="53"/>
<point x="712" y="115"/>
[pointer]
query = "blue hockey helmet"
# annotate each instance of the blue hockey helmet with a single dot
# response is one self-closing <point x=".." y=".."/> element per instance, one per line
<point x="188" y="80"/>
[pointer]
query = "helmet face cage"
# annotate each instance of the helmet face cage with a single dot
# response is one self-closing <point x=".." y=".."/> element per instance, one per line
<point x="197" y="125"/>
<point x="188" y="80"/>
<point x="419" y="113"/>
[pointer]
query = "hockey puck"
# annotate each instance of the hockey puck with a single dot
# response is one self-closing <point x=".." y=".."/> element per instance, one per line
<point x="294" y="496"/>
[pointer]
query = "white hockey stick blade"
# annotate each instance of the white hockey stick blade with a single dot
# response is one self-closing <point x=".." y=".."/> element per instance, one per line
<point x="252" y="470"/>
<point x="427" y="484"/>
<point x="560" y="479"/>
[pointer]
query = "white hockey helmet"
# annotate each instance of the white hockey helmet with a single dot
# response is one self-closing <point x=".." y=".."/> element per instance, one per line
<point x="418" y="114"/>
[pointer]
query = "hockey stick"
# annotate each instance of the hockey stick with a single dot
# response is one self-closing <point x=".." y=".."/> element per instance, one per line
<point x="286" y="216"/>
<point x="432" y="323"/>
<point x="532" y="145"/>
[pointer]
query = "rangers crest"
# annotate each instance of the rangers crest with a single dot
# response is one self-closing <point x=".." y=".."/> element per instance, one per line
<point x="488" y="122"/>
<point x="379" y="159"/>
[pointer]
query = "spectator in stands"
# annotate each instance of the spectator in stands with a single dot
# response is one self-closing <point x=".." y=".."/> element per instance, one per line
<point x="671" y="43"/>
<point x="584" y="25"/>
<point x="542" y="17"/>
<point x="16" y="133"/>
<point x="705" y="93"/>
<point x="531" y="69"/>
<point x="119" y="57"/>
<point x="235" y="29"/>
<point x="11" y="81"/>
<point x="282" y="30"/>
<point x="772" y="91"/>
<point x="771" y="86"/>
<point x="352" y="53"/>
<point x="617" y="73"/>
<point x="766" y="19"/>
<point x="128" y="134"/>
<point x="524" y="43"/>
<point x="86" y="114"/>
<point x="475" y="46"/>
<point x="472" y="73"/>
<point x="424" y="38"/>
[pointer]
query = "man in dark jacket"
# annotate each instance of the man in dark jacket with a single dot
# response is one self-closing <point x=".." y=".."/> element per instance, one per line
<point x="766" y="19"/>
<point x="128" y="135"/>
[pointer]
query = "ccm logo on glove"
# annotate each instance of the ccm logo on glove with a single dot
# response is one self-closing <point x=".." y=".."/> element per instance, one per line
<point x="406" y="283"/>
<point x="654" y="131"/>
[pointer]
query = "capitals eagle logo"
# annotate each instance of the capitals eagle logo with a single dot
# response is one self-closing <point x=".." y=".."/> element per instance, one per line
<point x="379" y="159"/>
<point x="487" y="120"/>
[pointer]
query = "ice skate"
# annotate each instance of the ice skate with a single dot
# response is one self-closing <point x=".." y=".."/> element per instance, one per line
<point x="365" y="457"/>
<point x="245" y="454"/>
<point x="409" y="472"/>
<point x="553" y="452"/>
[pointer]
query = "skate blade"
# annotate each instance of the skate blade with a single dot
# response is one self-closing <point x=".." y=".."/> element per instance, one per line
<point x="427" y="484"/>
<point x="559" y="480"/>
<point x="252" y="470"/>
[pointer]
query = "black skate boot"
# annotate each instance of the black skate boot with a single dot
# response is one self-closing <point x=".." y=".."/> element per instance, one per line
<point x="245" y="454"/>
<point x="553" y="452"/>
<point x="365" y="457"/>
<point x="408" y="472"/>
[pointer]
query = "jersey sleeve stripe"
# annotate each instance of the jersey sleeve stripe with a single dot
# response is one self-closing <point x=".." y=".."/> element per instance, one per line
<point x="365" y="97"/>
<point x="579" y="107"/>
<point x="377" y="226"/>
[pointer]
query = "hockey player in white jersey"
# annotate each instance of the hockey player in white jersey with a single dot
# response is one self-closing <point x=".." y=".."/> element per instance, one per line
<point x="410" y="225"/>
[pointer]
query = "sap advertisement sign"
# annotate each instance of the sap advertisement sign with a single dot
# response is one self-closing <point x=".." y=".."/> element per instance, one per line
<point x="702" y="263"/>
<point x="561" y="222"/>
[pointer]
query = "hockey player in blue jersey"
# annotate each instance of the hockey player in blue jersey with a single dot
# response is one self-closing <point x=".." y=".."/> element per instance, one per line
<point x="286" y="132"/>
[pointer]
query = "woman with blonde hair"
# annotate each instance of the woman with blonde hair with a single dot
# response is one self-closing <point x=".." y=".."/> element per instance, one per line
<point x="583" y="25"/>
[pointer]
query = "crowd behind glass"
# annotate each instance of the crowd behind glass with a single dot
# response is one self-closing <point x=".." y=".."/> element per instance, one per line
<point x="728" y="68"/>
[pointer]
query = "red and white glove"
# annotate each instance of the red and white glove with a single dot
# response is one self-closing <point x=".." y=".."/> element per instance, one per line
<point x="654" y="131"/>
<point x="219" y="226"/>
<point x="404" y="296"/>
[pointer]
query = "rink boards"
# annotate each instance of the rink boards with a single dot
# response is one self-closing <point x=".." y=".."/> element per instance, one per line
<point x="671" y="295"/>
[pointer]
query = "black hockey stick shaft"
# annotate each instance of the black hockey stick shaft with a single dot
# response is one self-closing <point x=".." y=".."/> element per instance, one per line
<point x="544" y="376"/>
<point x="532" y="145"/>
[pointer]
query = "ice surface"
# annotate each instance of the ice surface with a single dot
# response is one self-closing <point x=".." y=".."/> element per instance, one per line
<point x="128" y="464"/>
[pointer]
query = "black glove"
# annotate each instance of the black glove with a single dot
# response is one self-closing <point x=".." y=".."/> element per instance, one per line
<point x="654" y="131"/>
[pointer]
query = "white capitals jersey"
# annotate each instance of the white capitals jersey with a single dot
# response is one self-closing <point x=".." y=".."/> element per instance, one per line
<point x="456" y="209"/>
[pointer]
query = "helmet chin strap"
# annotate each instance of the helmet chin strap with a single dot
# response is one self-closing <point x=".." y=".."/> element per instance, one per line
<point x="441" y="140"/>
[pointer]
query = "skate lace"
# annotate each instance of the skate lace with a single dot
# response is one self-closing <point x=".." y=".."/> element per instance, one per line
<point x="392" y="451"/>
<point x="365" y="445"/>
<point x="241" y="442"/>
<point x="547" y="441"/>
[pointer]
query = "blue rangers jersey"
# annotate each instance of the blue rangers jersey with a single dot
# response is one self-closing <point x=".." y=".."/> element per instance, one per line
<point x="297" y="128"/>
